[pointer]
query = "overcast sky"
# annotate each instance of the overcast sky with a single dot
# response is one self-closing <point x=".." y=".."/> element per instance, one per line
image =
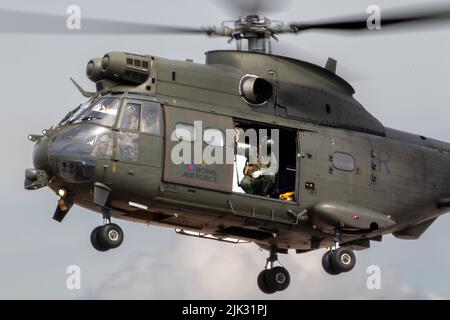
<point x="406" y="86"/>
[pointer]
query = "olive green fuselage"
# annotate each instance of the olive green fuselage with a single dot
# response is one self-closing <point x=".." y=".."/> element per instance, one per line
<point x="397" y="178"/>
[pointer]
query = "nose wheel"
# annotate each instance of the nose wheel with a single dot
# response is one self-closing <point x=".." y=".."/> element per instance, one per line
<point x="273" y="279"/>
<point x="106" y="237"/>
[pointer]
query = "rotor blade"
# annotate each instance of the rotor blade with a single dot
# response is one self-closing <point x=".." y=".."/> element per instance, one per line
<point x="249" y="7"/>
<point x="418" y="15"/>
<point x="41" y="23"/>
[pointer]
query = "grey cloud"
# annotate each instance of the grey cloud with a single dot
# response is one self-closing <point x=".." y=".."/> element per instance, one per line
<point x="197" y="269"/>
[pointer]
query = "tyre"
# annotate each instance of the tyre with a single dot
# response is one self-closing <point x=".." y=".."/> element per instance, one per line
<point x="262" y="282"/>
<point x="95" y="241"/>
<point x="110" y="235"/>
<point x="343" y="259"/>
<point x="327" y="265"/>
<point x="278" y="278"/>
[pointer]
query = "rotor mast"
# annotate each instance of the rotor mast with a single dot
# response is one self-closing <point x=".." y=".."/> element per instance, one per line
<point x="257" y="31"/>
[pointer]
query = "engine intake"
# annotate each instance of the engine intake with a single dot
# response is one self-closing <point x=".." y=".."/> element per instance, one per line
<point x="119" y="66"/>
<point x="125" y="66"/>
<point x="255" y="90"/>
<point x="94" y="70"/>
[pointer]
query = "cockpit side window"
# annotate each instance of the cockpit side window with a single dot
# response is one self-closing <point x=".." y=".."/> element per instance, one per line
<point x="131" y="116"/>
<point x="150" y="119"/>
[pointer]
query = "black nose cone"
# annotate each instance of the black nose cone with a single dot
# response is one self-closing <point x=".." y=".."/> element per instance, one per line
<point x="40" y="155"/>
<point x="37" y="177"/>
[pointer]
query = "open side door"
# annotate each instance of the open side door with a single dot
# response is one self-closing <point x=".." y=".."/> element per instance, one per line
<point x="193" y="139"/>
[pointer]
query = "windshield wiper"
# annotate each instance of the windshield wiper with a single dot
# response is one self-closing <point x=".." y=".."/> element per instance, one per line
<point x="87" y="118"/>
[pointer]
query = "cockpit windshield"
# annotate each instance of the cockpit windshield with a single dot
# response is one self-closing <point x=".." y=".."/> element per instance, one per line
<point x="101" y="111"/>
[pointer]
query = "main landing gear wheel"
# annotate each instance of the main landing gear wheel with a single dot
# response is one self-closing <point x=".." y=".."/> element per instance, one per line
<point x="95" y="241"/>
<point x="343" y="259"/>
<point x="337" y="261"/>
<point x="326" y="264"/>
<point x="263" y="284"/>
<point x="278" y="278"/>
<point x="108" y="236"/>
<point x="273" y="279"/>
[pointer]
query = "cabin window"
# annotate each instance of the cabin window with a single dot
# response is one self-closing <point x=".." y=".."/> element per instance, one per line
<point x="214" y="137"/>
<point x="185" y="132"/>
<point x="343" y="161"/>
<point x="150" y="119"/>
<point x="131" y="116"/>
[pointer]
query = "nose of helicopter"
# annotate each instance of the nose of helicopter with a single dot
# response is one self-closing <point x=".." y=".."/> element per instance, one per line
<point x="37" y="177"/>
<point x="69" y="155"/>
<point x="40" y="155"/>
<point x="73" y="151"/>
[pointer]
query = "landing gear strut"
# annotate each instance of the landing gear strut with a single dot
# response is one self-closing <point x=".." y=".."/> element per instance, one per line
<point x="340" y="259"/>
<point x="108" y="236"/>
<point x="273" y="279"/>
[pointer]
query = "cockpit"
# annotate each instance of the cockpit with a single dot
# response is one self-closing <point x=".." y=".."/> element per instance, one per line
<point x="104" y="128"/>
<point x="93" y="139"/>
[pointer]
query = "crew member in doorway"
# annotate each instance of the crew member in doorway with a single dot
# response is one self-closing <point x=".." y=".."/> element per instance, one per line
<point x="260" y="177"/>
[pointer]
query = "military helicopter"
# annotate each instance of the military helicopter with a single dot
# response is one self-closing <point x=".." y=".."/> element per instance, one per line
<point x="341" y="179"/>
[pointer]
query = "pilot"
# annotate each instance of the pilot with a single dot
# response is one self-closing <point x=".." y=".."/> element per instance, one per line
<point x="134" y="120"/>
<point x="150" y="120"/>
<point x="260" y="177"/>
<point x="104" y="107"/>
<point x="131" y="120"/>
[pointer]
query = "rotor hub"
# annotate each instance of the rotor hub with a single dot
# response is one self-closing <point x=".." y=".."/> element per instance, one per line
<point x="258" y="31"/>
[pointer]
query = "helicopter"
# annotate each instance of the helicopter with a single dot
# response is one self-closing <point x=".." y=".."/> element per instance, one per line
<point x="169" y="143"/>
